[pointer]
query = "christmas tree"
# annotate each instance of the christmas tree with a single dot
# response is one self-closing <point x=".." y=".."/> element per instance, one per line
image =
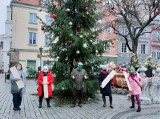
<point x="73" y="39"/>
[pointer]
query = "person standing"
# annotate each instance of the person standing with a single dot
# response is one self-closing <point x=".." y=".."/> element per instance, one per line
<point x="16" y="92"/>
<point x="106" y="91"/>
<point x="50" y="80"/>
<point x="78" y="75"/>
<point x="136" y="84"/>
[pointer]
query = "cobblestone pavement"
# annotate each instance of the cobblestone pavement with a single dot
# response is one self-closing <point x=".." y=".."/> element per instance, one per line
<point x="30" y="110"/>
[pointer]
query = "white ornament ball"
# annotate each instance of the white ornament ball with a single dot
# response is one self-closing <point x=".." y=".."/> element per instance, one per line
<point x="68" y="10"/>
<point x="84" y="45"/>
<point x="96" y="51"/>
<point x="81" y="36"/>
<point x="99" y="21"/>
<point x="70" y="23"/>
<point x="77" y="51"/>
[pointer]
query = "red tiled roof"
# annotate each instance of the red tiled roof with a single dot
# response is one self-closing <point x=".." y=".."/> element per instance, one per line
<point x="30" y="2"/>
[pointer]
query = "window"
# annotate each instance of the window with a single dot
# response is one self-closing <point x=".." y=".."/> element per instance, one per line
<point x="124" y="47"/>
<point x="46" y="1"/>
<point x="156" y="36"/>
<point x="46" y="40"/>
<point x="125" y="32"/>
<point x="143" y="49"/>
<point x="107" y="46"/>
<point x="32" y="38"/>
<point x="48" y="20"/>
<point x="33" y="18"/>
<point x="156" y="53"/>
<point x="153" y="54"/>
<point x="108" y="28"/>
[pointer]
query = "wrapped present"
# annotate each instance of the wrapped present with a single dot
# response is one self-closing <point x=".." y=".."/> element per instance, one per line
<point x="119" y="80"/>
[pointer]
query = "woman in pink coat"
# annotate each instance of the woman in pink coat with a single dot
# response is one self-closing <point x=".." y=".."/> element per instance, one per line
<point x="136" y="84"/>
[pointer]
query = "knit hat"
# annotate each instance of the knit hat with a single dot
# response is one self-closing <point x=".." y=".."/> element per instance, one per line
<point x="131" y="68"/>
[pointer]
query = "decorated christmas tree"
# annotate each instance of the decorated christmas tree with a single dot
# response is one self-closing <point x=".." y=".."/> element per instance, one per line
<point x="73" y="39"/>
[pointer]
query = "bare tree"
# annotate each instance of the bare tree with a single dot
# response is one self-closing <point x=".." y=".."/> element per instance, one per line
<point x="136" y="15"/>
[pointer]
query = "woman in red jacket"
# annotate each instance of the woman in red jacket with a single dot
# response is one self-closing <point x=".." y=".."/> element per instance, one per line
<point x="50" y="81"/>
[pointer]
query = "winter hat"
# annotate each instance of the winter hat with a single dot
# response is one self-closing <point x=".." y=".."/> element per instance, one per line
<point x="45" y="68"/>
<point x="132" y="69"/>
<point x="80" y="63"/>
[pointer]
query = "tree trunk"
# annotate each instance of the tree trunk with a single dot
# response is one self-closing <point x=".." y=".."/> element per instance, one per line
<point x="134" y="45"/>
<point x="134" y="57"/>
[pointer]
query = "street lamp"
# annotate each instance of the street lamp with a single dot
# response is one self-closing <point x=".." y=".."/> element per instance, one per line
<point x="40" y="50"/>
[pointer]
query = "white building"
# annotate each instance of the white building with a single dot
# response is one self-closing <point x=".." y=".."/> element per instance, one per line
<point x="5" y="41"/>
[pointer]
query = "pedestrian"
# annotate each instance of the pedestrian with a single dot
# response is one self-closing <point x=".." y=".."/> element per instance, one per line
<point x="50" y="80"/>
<point x="16" y="92"/>
<point x="106" y="91"/>
<point x="136" y="84"/>
<point x="78" y="75"/>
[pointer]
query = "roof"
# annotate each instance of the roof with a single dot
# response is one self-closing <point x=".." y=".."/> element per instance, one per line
<point x="29" y="2"/>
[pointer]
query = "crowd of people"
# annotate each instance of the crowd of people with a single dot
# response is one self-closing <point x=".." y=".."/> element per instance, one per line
<point x="78" y="76"/>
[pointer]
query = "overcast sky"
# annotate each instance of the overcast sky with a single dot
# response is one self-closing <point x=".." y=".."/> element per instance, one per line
<point x="3" y="11"/>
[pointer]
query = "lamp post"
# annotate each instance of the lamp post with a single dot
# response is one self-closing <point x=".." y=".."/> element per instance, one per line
<point x="40" y="50"/>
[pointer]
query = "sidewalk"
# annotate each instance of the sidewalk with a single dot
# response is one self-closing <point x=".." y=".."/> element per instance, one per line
<point x="30" y="110"/>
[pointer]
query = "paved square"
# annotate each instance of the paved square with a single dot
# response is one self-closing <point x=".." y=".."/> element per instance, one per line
<point x="30" y="110"/>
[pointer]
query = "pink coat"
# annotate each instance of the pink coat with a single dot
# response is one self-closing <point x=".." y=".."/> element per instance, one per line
<point x="136" y="89"/>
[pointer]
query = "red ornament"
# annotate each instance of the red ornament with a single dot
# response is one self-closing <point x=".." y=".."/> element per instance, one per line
<point x="92" y="75"/>
<point x="86" y="8"/>
<point x="70" y="42"/>
<point x="78" y="26"/>
<point x="54" y="16"/>
<point x="112" y="43"/>
<point x="42" y="28"/>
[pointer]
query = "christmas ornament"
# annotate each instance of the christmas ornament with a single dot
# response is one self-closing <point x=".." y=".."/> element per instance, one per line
<point x="93" y="36"/>
<point x="99" y="21"/>
<point x="70" y="42"/>
<point x="71" y="34"/>
<point x="85" y="45"/>
<point x="68" y="10"/>
<point x="81" y="36"/>
<point x="112" y="43"/>
<point x="96" y="51"/>
<point x="77" y="51"/>
<point x="54" y="16"/>
<point x="86" y="8"/>
<point x="78" y="26"/>
<point x="92" y="75"/>
<point x="87" y="13"/>
<point x="70" y="23"/>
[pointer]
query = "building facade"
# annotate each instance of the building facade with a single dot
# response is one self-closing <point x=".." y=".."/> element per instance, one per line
<point x="27" y="34"/>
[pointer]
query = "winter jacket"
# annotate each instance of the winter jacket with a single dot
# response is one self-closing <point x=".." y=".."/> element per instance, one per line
<point x="50" y="80"/>
<point x="14" y="87"/>
<point x="136" y="89"/>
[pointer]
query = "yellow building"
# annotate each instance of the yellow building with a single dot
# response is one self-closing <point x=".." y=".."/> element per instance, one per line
<point x="27" y="33"/>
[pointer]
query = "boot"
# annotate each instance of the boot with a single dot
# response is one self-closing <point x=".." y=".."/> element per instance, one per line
<point x="40" y="102"/>
<point x="110" y="100"/>
<point x="104" y="101"/>
<point x="73" y="105"/>
<point x="133" y="102"/>
<point x="138" y="103"/>
<point x="40" y="105"/>
<point x="139" y="109"/>
<point x="48" y="102"/>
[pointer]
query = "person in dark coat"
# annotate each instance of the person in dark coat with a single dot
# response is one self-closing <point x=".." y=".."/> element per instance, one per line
<point x="106" y="91"/>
